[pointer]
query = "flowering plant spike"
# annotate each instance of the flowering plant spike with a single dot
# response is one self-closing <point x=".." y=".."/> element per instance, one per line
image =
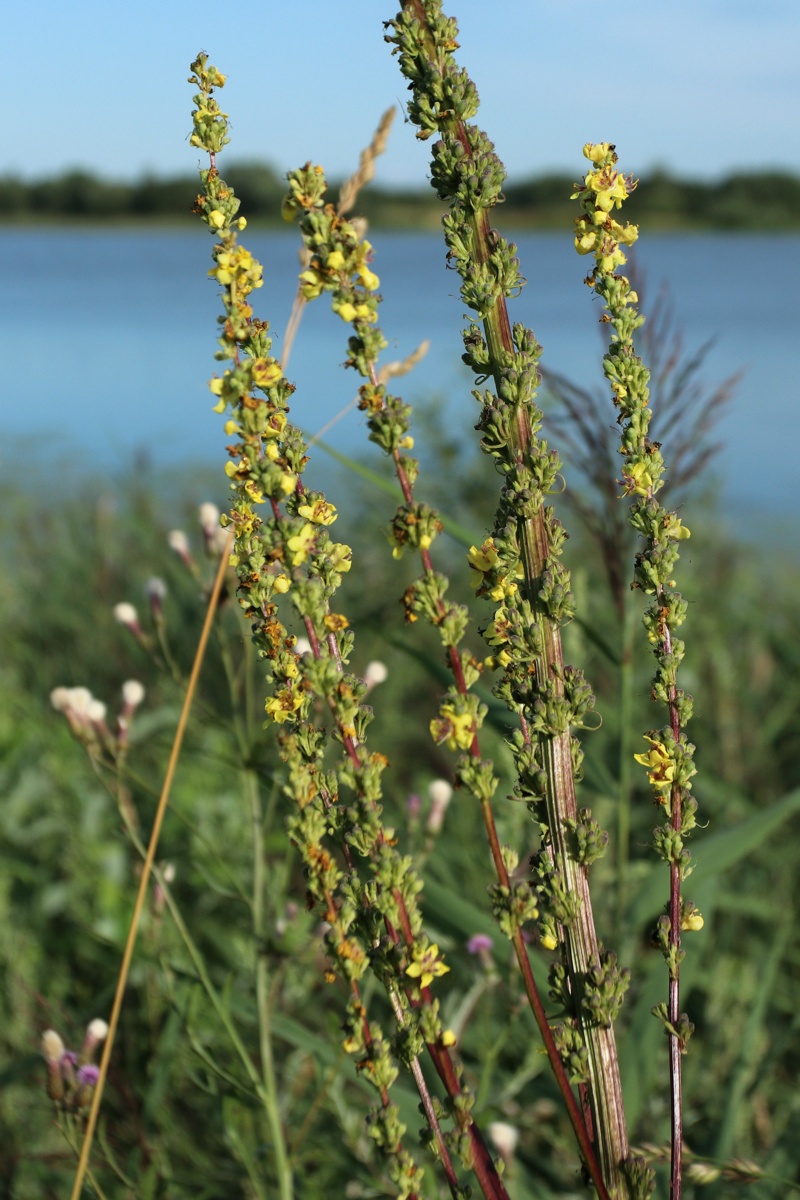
<point x="670" y="758"/>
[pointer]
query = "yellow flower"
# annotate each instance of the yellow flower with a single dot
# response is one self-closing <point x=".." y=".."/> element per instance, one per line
<point x="586" y="242"/>
<point x="288" y="482"/>
<point x="497" y="662"/>
<point x="455" y="729"/>
<point x="596" y="151"/>
<point x="625" y="234"/>
<point x="661" y="768"/>
<point x="497" y="632"/>
<point x="254" y="492"/>
<point x="609" y="187"/>
<point x="216" y="218"/>
<point x="281" y="584"/>
<point x="311" y="283"/>
<point x="675" y="529"/>
<point x="239" y="265"/>
<point x="448" y="1037"/>
<point x="283" y="705"/>
<point x="341" y="557"/>
<point x="369" y="279"/>
<point x="347" y="311"/>
<point x="549" y="941"/>
<point x="638" y="479"/>
<point x="224" y="270"/>
<point x="266" y="372"/>
<point x="300" y="544"/>
<point x="321" y="512"/>
<point x="335" y="261"/>
<point x="692" y="922"/>
<point x="483" y="560"/>
<point x="426" y="965"/>
<point x="274" y="426"/>
<point x="609" y="257"/>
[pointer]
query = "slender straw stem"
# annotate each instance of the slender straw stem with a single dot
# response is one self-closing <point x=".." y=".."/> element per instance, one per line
<point x="144" y="881"/>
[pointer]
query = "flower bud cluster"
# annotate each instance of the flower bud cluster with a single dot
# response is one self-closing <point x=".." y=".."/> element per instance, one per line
<point x="86" y="716"/>
<point x="71" y="1075"/>
<point x="449" y="94"/>
<point x="467" y="172"/>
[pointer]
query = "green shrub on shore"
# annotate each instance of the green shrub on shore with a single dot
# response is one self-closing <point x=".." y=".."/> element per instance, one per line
<point x="747" y="200"/>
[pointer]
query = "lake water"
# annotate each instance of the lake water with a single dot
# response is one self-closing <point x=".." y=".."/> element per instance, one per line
<point x="108" y="341"/>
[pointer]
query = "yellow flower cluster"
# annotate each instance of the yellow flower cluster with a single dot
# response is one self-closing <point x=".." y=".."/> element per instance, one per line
<point x="237" y="268"/>
<point x="486" y="578"/>
<point x="297" y="198"/>
<point x="354" y="312"/>
<point x="336" y="268"/>
<point x="210" y="123"/>
<point x="604" y="189"/>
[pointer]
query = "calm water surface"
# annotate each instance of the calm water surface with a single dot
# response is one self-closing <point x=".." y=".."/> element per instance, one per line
<point x="109" y="339"/>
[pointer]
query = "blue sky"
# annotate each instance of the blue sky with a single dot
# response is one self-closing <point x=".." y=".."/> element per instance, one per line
<point x="698" y="86"/>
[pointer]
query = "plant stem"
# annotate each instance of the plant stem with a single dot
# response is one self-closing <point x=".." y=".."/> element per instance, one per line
<point x="676" y="1050"/>
<point x="628" y="627"/>
<point x="437" y="85"/>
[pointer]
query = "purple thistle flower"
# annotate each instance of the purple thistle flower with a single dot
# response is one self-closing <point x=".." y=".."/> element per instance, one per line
<point x="88" y="1075"/>
<point x="479" y="943"/>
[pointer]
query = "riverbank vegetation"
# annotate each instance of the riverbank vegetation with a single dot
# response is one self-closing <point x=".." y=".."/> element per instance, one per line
<point x="312" y="822"/>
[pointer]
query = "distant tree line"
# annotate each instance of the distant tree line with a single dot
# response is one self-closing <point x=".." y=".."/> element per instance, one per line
<point x="765" y="200"/>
